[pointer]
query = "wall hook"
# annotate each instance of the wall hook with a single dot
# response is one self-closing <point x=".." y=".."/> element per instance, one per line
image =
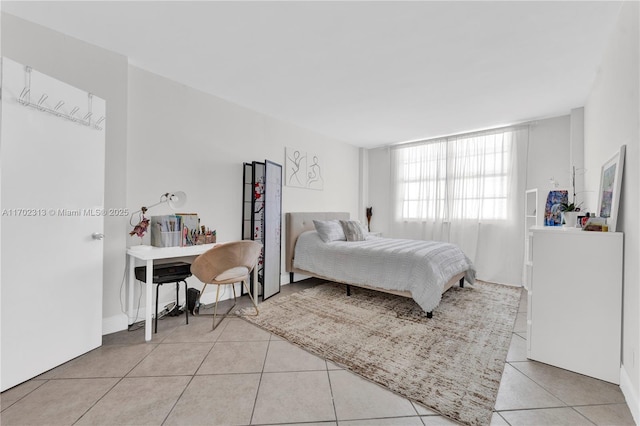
<point x="42" y="99"/>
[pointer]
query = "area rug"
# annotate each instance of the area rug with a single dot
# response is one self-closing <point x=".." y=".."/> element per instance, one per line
<point x="451" y="363"/>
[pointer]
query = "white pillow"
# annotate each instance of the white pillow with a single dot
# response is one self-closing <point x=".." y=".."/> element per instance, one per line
<point x="354" y="230"/>
<point x="329" y="230"/>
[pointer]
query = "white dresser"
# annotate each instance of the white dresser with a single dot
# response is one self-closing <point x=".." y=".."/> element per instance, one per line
<point x="574" y="280"/>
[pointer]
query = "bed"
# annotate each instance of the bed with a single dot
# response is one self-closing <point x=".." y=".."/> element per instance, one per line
<point x="422" y="270"/>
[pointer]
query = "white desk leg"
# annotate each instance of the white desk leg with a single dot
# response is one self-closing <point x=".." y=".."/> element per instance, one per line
<point x="149" y="301"/>
<point x="131" y="264"/>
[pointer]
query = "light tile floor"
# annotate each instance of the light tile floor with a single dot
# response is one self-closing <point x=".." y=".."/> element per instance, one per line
<point x="242" y="375"/>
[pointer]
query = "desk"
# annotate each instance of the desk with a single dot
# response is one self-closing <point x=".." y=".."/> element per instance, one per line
<point x="149" y="254"/>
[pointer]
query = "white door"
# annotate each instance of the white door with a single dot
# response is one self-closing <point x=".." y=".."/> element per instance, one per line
<point x="52" y="195"/>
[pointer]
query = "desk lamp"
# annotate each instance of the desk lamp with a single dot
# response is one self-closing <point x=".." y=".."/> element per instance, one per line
<point x="174" y="199"/>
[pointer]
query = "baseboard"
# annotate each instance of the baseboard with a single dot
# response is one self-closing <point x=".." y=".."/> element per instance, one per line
<point x="115" y="323"/>
<point x="630" y="395"/>
<point x="121" y="322"/>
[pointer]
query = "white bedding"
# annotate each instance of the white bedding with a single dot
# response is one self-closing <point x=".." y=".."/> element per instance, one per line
<point x="419" y="267"/>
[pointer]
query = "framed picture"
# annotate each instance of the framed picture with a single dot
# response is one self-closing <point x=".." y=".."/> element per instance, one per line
<point x="303" y="169"/>
<point x="610" y="183"/>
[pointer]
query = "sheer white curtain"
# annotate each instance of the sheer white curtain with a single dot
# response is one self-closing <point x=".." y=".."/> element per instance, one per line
<point x="468" y="190"/>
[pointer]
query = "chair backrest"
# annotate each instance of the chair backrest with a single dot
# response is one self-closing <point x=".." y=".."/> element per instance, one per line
<point x="225" y="256"/>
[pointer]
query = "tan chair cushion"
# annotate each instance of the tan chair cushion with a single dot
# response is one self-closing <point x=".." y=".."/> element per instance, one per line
<point x="238" y="272"/>
<point x="227" y="263"/>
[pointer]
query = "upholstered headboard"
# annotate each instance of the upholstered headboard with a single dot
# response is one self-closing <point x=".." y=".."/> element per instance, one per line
<point x="297" y="223"/>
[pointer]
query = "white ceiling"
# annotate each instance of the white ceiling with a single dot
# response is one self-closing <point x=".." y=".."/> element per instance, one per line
<point x="368" y="73"/>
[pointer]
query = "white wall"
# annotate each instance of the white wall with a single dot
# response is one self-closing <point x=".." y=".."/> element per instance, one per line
<point x="379" y="163"/>
<point x="576" y="153"/>
<point x="548" y="157"/>
<point x="175" y="138"/>
<point x="103" y="73"/>
<point x="183" y="139"/>
<point x="611" y="120"/>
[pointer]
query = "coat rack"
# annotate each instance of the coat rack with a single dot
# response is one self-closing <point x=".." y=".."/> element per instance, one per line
<point x="25" y="99"/>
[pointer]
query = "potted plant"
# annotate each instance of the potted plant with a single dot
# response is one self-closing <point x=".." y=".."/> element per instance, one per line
<point x="570" y="212"/>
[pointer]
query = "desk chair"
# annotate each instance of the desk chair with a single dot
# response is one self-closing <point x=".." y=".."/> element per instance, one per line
<point x="175" y="272"/>
<point x="227" y="264"/>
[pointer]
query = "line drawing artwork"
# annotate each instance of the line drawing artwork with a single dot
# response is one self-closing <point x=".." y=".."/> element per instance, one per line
<point x="303" y="170"/>
<point x="295" y="161"/>
<point x="315" y="175"/>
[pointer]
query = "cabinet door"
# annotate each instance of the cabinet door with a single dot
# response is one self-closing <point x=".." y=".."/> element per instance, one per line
<point x="576" y="301"/>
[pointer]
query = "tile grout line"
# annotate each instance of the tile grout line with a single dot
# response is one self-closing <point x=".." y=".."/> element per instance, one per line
<point x="515" y="333"/>
<point x="333" y="401"/>
<point x="502" y="417"/>
<point x="98" y="400"/>
<point x="543" y="387"/>
<point x="583" y="416"/>
<point x="120" y="379"/>
<point x="194" y="373"/>
<point x="264" y="363"/>
<point x="572" y="407"/>
<point x="535" y="382"/>
<point x="26" y="394"/>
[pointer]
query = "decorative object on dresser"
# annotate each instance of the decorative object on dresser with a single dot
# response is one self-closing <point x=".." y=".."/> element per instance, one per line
<point x="575" y="301"/>
<point x="552" y="210"/>
<point x="570" y="211"/>
<point x="262" y="221"/>
<point x="610" y="184"/>
<point x="453" y="365"/>
<point x="369" y="214"/>
<point x="570" y="214"/>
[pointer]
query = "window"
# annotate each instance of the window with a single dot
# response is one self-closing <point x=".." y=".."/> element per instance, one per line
<point x="462" y="177"/>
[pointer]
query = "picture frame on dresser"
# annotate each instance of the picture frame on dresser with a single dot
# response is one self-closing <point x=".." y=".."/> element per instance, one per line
<point x="610" y="184"/>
